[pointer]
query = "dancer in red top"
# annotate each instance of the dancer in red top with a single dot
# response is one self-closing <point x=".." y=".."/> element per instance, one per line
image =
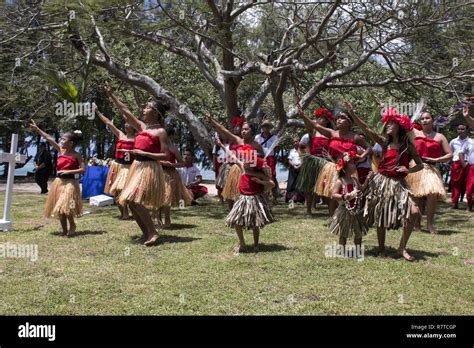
<point x="144" y="189"/>
<point x="341" y="140"/>
<point x="64" y="200"/>
<point x="176" y="193"/>
<point x="388" y="202"/>
<point x="251" y="210"/>
<point x="427" y="185"/>
<point x="247" y="136"/>
<point x="118" y="171"/>
<point x="312" y="164"/>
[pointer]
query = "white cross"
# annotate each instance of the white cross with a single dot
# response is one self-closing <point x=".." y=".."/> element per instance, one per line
<point x="12" y="158"/>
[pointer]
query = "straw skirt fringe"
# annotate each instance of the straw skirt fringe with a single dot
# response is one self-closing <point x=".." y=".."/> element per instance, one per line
<point x="388" y="202"/>
<point x="120" y="180"/>
<point x="326" y="180"/>
<point x="145" y="185"/>
<point x="222" y="175"/>
<point x="250" y="211"/>
<point x="64" y="198"/>
<point x="175" y="191"/>
<point x="426" y="182"/>
<point x="347" y="225"/>
<point x="309" y="172"/>
<point x="231" y="189"/>
<point x="111" y="176"/>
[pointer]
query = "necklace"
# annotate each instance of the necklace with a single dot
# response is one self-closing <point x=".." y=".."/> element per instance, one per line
<point x="151" y="126"/>
<point x="358" y="199"/>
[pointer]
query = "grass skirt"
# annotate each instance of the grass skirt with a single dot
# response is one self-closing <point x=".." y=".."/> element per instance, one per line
<point x="222" y="176"/>
<point x="64" y="198"/>
<point x="250" y="211"/>
<point x="120" y="180"/>
<point x="326" y="180"/>
<point x="426" y="182"/>
<point x="309" y="172"/>
<point x="111" y="177"/>
<point x="175" y="191"/>
<point x="145" y="185"/>
<point x="231" y="189"/>
<point x="388" y="202"/>
<point x="347" y="225"/>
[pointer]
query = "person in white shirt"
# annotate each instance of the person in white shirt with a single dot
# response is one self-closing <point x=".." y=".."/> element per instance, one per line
<point x="266" y="140"/>
<point x="191" y="176"/>
<point x="459" y="165"/>
<point x="294" y="162"/>
<point x="468" y="157"/>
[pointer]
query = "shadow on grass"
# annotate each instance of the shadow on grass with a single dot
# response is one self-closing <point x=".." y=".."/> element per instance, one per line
<point x="392" y="253"/>
<point x="441" y="231"/>
<point x="181" y="226"/>
<point x="34" y="228"/>
<point x="269" y="248"/>
<point x="81" y="233"/>
<point x="166" y="238"/>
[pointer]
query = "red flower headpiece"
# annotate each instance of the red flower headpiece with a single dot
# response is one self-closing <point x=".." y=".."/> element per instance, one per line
<point x="323" y="112"/>
<point x="417" y="126"/>
<point x="391" y="114"/>
<point x="237" y="121"/>
<point x="346" y="158"/>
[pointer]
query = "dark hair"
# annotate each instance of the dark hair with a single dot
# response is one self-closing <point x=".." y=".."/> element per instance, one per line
<point x="403" y="139"/>
<point x="253" y="127"/>
<point x="74" y="136"/>
<point x="189" y="150"/>
<point x="170" y="130"/>
<point x="158" y="106"/>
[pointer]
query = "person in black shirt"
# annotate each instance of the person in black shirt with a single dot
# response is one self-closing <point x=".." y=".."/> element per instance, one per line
<point x="43" y="166"/>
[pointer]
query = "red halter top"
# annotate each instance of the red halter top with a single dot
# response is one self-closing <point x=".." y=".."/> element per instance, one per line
<point x="388" y="163"/>
<point x="147" y="142"/>
<point x="123" y="144"/>
<point x="338" y="145"/>
<point x="427" y="147"/>
<point x="67" y="162"/>
<point x="318" y="146"/>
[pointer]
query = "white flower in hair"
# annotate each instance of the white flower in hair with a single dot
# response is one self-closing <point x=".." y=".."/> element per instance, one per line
<point x="78" y="132"/>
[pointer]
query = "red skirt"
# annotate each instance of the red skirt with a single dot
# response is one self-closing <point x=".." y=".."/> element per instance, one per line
<point x="271" y="161"/>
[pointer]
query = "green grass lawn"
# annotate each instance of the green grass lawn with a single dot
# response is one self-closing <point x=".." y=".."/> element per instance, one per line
<point x="194" y="270"/>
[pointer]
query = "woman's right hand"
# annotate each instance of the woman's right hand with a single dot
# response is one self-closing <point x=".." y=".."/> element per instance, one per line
<point x="107" y="88"/>
<point x="33" y="125"/>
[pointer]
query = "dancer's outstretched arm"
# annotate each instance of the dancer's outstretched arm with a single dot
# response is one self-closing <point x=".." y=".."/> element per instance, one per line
<point x="126" y="113"/>
<point x="45" y="135"/>
<point x="222" y="131"/>
<point x="310" y="124"/>
<point x="117" y="132"/>
<point x="379" y="139"/>
<point x="469" y="118"/>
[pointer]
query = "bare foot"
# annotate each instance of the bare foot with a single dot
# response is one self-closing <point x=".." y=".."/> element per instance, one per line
<point x="256" y="248"/>
<point x="142" y="239"/>
<point x="240" y="249"/>
<point x="417" y="228"/>
<point x="64" y="233"/>
<point x="382" y="254"/>
<point x="152" y="240"/>
<point x="404" y="253"/>
<point x="72" y="230"/>
<point x="432" y="230"/>
<point x="167" y="224"/>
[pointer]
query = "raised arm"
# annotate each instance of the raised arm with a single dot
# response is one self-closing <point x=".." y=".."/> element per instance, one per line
<point x="45" y="135"/>
<point x="126" y="113"/>
<point x="327" y="132"/>
<point x="117" y="132"/>
<point x="367" y="149"/>
<point x="222" y="131"/>
<point x="469" y="119"/>
<point x="365" y="128"/>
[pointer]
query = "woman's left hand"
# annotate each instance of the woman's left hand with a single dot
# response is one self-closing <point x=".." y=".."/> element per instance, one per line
<point x="402" y="169"/>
